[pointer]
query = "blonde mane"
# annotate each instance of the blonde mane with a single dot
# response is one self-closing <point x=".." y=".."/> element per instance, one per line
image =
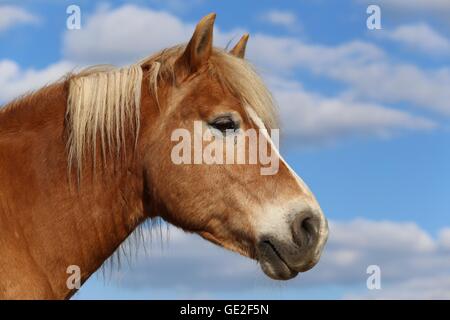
<point x="104" y="101"/>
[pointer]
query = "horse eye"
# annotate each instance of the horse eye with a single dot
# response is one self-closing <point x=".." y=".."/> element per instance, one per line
<point x="224" y="123"/>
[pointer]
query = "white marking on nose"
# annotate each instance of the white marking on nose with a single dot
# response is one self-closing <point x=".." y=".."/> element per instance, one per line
<point x="260" y="124"/>
<point x="270" y="223"/>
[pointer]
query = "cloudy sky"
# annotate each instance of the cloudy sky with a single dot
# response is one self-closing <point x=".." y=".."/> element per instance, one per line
<point x="365" y="117"/>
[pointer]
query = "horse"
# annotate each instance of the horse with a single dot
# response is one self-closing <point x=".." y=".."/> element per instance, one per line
<point x="84" y="161"/>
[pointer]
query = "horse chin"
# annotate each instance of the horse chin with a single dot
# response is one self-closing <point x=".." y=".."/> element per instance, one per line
<point x="273" y="264"/>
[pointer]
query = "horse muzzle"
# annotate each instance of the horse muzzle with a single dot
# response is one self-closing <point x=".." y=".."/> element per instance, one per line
<point x="283" y="260"/>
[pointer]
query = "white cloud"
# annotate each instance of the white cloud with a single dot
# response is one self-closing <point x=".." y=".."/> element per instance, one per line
<point x="422" y="37"/>
<point x="444" y="238"/>
<point x="169" y="260"/>
<point x="402" y="250"/>
<point x="427" y="287"/>
<point x="284" y="19"/>
<point x="283" y="54"/>
<point x="406" y="237"/>
<point x="15" y="81"/>
<point x="310" y="117"/>
<point x="13" y="15"/>
<point x="412" y="262"/>
<point x="392" y="83"/>
<point x="126" y="34"/>
<point x="363" y="67"/>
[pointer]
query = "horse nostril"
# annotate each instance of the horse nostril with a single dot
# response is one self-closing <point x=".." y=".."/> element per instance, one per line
<point x="305" y="229"/>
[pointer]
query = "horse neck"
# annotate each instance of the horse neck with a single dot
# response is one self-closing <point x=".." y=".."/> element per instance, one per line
<point x="48" y="223"/>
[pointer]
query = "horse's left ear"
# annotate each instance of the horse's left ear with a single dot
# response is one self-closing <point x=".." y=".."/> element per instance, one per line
<point x="200" y="46"/>
<point x="239" y="48"/>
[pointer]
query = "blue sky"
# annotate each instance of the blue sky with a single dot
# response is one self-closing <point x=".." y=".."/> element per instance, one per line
<point x="365" y="115"/>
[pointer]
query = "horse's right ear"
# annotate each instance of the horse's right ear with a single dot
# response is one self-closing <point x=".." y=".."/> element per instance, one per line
<point x="200" y="46"/>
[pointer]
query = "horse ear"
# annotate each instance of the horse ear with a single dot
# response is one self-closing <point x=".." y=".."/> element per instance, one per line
<point x="239" y="48"/>
<point x="200" y="46"/>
